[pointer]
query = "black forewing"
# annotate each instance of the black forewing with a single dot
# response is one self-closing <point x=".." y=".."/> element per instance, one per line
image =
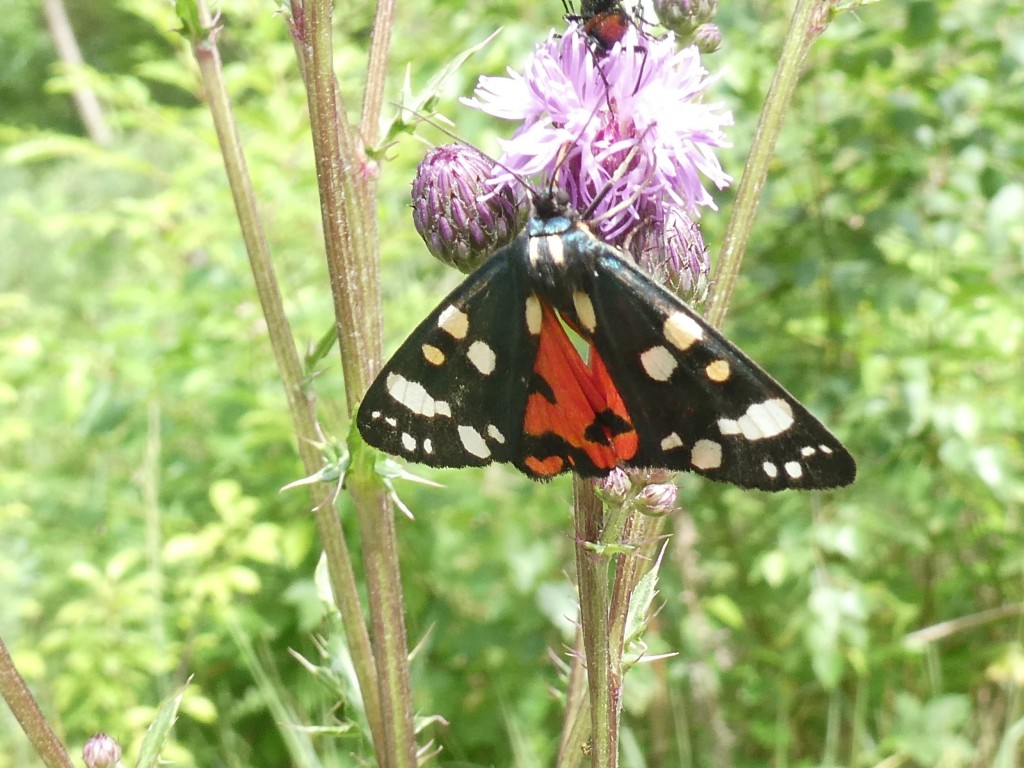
<point x="630" y="311"/>
<point x="456" y="413"/>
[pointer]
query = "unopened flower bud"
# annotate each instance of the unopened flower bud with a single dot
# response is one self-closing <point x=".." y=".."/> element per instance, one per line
<point x="460" y="217"/>
<point x="674" y="253"/>
<point x="708" y="38"/>
<point x="684" y="16"/>
<point x="615" y="486"/>
<point x="101" y="751"/>
<point x="659" y="498"/>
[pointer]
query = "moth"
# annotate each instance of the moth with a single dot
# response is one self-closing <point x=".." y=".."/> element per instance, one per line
<point x="492" y="375"/>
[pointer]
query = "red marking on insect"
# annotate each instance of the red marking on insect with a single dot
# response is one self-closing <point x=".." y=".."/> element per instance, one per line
<point x="576" y="405"/>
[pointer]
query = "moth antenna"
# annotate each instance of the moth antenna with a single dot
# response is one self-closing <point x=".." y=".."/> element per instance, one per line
<point x="458" y="139"/>
<point x="620" y="171"/>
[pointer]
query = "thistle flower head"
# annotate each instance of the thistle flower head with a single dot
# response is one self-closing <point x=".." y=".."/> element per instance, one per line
<point x="461" y="217"/>
<point x="629" y="125"/>
<point x="674" y="253"/>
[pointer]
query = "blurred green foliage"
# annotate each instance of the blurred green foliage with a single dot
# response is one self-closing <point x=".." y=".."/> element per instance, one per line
<point x="143" y="436"/>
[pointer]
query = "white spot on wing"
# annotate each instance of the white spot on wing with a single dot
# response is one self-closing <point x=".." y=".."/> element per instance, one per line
<point x="428" y="446"/>
<point x="495" y="434"/>
<point x="825" y="449"/>
<point x="584" y="310"/>
<point x="408" y="442"/>
<point x="808" y="450"/>
<point x="454" y="322"/>
<point x="767" y="419"/>
<point x="533" y="314"/>
<point x="658" y="363"/>
<point x="671" y="441"/>
<point x="793" y="469"/>
<point x="375" y="414"/>
<point x="474" y="442"/>
<point x="391" y="421"/>
<point x="554" y="243"/>
<point x="413" y="396"/>
<point x="482" y="357"/>
<point x="682" y="331"/>
<point x="770" y="469"/>
<point x="706" y="454"/>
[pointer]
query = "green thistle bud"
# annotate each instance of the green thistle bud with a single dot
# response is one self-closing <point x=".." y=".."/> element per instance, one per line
<point x="684" y="16"/>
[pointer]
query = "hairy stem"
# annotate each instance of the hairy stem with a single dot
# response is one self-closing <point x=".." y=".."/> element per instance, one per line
<point x="300" y="403"/>
<point x="347" y="204"/>
<point x="805" y="24"/>
<point x="26" y="711"/>
<point x="604" y="673"/>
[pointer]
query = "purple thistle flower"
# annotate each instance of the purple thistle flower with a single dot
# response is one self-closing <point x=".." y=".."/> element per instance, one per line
<point x="630" y="124"/>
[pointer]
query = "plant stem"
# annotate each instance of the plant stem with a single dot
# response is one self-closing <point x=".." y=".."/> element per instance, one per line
<point x="805" y="23"/>
<point x="347" y="205"/>
<point x="26" y="711"/>
<point x="300" y="405"/>
<point x="604" y="674"/>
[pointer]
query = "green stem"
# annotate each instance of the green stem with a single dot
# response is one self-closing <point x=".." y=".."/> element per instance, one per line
<point x="300" y="405"/>
<point x="603" y="669"/>
<point x="805" y="24"/>
<point x="26" y="711"/>
<point x="347" y="195"/>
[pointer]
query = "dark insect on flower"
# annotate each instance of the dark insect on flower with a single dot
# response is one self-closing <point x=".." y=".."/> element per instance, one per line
<point x="604" y="22"/>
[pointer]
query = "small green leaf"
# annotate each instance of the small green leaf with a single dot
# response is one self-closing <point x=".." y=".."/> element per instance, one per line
<point x="156" y="735"/>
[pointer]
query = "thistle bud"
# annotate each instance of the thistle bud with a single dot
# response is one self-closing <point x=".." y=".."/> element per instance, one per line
<point x="708" y="38"/>
<point x="659" y="498"/>
<point x="101" y="751"/>
<point x="674" y="253"/>
<point x="461" y="217"/>
<point x="684" y="16"/>
<point x="615" y="487"/>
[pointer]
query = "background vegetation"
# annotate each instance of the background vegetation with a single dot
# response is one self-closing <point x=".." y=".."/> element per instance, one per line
<point x="143" y="436"/>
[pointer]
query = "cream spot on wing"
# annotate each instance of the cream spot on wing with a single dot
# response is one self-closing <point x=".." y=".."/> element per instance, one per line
<point x="658" y="363"/>
<point x="474" y="442"/>
<point x="533" y="314"/>
<point x="482" y="357"/>
<point x="391" y="421"/>
<point x="533" y="249"/>
<point x="767" y="419"/>
<point x="555" y="248"/>
<point x="682" y="331"/>
<point x="706" y="454"/>
<point x="413" y="396"/>
<point x="808" y="450"/>
<point x="408" y="442"/>
<point x="671" y="441"/>
<point x="428" y="446"/>
<point x="770" y="469"/>
<point x="718" y="371"/>
<point x="584" y="310"/>
<point x="454" y="322"/>
<point x="495" y="434"/>
<point x="793" y="469"/>
<point x="432" y="354"/>
<point x="825" y="449"/>
<point x="375" y="414"/>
